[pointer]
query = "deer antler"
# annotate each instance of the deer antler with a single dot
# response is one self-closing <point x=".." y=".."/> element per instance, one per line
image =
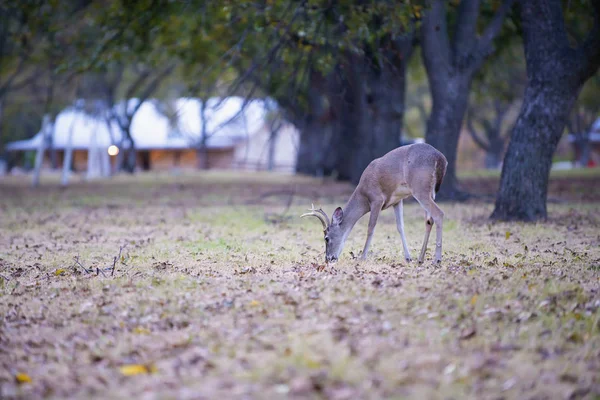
<point x="319" y="214"/>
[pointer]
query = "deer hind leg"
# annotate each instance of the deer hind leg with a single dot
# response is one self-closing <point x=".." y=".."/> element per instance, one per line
<point x="375" y="209"/>
<point x="398" y="210"/>
<point x="434" y="215"/>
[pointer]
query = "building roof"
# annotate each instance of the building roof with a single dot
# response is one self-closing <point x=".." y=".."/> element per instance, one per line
<point x="228" y="121"/>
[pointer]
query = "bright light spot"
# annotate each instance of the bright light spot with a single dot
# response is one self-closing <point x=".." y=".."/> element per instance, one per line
<point x="113" y="150"/>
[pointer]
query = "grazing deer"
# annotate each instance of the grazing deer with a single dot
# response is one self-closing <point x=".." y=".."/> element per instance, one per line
<point x="417" y="170"/>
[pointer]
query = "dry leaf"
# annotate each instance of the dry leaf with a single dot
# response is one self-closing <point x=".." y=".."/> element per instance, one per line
<point x="474" y="299"/>
<point x="468" y="333"/>
<point x="136" y="369"/>
<point x="59" y="272"/>
<point x="255" y="303"/>
<point x="141" y="330"/>
<point x="508" y="235"/>
<point x="22" y="378"/>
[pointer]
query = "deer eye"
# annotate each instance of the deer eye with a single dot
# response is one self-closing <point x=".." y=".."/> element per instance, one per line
<point x="326" y="239"/>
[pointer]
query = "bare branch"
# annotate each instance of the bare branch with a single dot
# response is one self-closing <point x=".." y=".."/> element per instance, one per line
<point x="473" y="133"/>
<point x="485" y="43"/>
<point x="112" y="272"/>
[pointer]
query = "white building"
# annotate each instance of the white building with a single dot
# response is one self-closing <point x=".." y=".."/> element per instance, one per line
<point x="236" y="135"/>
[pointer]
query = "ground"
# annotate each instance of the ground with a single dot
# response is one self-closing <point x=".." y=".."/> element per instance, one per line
<point x="207" y="285"/>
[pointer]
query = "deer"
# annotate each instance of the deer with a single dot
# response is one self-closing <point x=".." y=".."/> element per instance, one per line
<point x="418" y="170"/>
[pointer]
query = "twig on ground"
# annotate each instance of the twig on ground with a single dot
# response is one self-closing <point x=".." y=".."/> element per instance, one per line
<point x="112" y="272"/>
<point x="4" y="277"/>
<point x="76" y="258"/>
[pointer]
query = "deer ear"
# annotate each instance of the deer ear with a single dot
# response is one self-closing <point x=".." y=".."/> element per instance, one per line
<point x="337" y="216"/>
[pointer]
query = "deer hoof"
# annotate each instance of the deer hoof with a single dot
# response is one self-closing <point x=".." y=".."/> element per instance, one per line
<point x="408" y="259"/>
<point x="438" y="261"/>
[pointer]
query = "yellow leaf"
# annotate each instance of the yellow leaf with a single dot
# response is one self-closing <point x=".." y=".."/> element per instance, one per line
<point x="474" y="299"/>
<point x="22" y="378"/>
<point x="59" y="272"/>
<point x="141" y="331"/>
<point x="136" y="369"/>
<point x="507" y="235"/>
<point x="255" y="303"/>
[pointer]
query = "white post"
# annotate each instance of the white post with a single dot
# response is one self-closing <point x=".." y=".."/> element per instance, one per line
<point x="39" y="157"/>
<point x="68" y="159"/>
<point x="93" y="159"/>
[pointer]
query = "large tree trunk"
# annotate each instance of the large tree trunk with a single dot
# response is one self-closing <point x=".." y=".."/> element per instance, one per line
<point x="524" y="183"/>
<point x="555" y="72"/>
<point x="444" y="127"/>
<point x="315" y="132"/>
<point x="314" y="123"/>
<point x="369" y="109"/>
<point x="387" y="87"/>
<point x="450" y="64"/>
<point x="349" y="103"/>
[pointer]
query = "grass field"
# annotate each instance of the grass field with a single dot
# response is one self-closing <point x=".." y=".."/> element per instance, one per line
<point x="207" y="286"/>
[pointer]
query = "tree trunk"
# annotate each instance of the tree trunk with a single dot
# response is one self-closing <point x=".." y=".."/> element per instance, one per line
<point x="349" y="103"/>
<point x="528" y="160"/>
<point x="370" y="110"/>
<point x="387" y="86"/>
<point x="272" y="150"/>
<point x="4" y="167"/>
<point x="202" y="151"/>
<point x="315" y="130"/>
<point x="555" y="74"/>
<point x="444" y="127"/>
<point x="129" y="158"/>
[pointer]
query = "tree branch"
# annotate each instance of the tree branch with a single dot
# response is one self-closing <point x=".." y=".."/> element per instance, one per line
<point x="466" y="30"/>
<point x="485" y="42"/>
<point x="473" y="133"/>
<point x="591" y="46"/>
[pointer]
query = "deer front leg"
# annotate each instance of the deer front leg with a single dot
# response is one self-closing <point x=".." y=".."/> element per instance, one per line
<point x="428" y="225"/>
<point x="375" y="209"/>
<point x="398" y="210"/>
<point x="434" y="216"/>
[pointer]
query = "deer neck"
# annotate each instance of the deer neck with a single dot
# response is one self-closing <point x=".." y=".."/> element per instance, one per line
<point x="355" y="208"/>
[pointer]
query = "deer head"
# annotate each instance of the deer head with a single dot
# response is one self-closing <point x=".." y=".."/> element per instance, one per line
<point x="334" y="235"/>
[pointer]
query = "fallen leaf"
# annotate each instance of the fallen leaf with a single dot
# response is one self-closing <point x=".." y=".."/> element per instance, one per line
<point x="141" y="330"/>
<point x="136" y="369"/>
<point x="255" y="303"/>
<point x="508" y="235"/>
<point x="468" y="333"/>
<point x="22" y="378"/>
<point x="474" y="299"/>
<point x="59" y="271"/>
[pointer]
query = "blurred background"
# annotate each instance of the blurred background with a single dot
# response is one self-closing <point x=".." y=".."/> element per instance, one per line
<point x="92" y="89"/>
